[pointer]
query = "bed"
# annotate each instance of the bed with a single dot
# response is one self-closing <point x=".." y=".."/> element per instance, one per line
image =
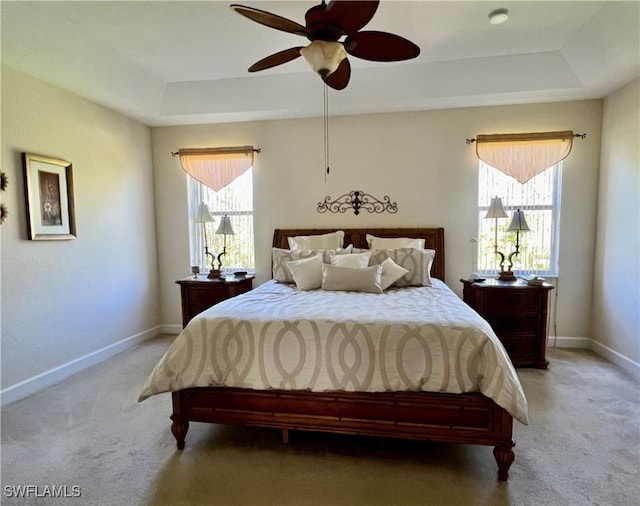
<point x="242" y="362"/>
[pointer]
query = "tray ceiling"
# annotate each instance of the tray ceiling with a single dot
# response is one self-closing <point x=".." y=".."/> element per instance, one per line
<point x="183" y="62"/>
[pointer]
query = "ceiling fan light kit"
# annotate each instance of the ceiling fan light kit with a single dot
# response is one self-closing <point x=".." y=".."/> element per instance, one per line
<point x="326" y="24"/>
<point x="498" y="16"/>
<point x="323" y="56"/>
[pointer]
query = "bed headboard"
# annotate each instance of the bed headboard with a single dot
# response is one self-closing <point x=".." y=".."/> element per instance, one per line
<point x="434" y="239"/>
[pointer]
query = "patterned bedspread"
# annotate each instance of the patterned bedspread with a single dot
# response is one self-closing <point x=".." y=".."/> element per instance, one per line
<point x="406" y="339"/>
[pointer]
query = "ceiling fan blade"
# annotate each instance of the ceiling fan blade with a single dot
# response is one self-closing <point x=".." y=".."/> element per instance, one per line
<point x="339" y="78"/>
<point x="276" y="59"/>
<point x="271" y="20"/>
<point x="351" y="15"/>
<point x="380" y="46"/>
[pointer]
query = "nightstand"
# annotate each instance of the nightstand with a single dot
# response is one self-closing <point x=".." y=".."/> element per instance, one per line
<point x="517" y="312"/>
<point x="202" y="293"/>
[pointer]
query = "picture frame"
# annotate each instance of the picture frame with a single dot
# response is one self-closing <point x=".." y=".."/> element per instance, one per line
<point x="49" y="196"/>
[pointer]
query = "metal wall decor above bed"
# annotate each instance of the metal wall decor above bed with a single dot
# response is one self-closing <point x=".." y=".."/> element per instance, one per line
<point x="357" y="200"/>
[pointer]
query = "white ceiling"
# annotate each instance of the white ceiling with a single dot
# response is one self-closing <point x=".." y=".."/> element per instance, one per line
<point x="183" y="62"/>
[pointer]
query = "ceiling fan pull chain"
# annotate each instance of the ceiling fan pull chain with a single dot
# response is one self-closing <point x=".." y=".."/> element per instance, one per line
<point x="326" y="132"/>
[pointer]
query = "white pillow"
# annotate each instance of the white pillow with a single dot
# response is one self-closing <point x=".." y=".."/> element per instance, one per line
<point x="307" y="272"/>
<point x="322" y="241"/>
<point x="393" y="242"/>
<point x="416" y="261"/>
<point x="391" y="272"/>
<point x="355" y="261"/>
<point x="279" y="258"/>
<point x="346" y="279"/>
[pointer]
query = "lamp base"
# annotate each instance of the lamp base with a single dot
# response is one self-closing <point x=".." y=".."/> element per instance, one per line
<point x="215" y="274"/>
<point x="506" y="276"/>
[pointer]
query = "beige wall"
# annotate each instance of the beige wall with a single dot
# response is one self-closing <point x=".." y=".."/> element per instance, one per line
<point x="419" y="159"/>
<point x="616" y="292"/>
<point x="64" y="300"/>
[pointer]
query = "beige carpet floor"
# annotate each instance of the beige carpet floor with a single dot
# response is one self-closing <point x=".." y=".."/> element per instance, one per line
<point x="582" y="447"/>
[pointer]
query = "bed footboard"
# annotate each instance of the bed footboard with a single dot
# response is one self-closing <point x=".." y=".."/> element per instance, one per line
<point x="454" y="418"/>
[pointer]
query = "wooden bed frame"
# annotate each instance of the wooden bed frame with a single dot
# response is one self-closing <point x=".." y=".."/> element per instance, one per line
<point x="456" y="418"/>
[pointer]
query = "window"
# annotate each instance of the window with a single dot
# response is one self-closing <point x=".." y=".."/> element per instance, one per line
<point x="539" y="198"/>
<point x="234" y="200"/>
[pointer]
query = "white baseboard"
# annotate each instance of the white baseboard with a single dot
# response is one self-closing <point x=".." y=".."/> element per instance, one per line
<point x="617" y="358"/>
<point x="569" y="342"/>
<point x="57" y="374"/>
<point x="612" y="356"/>
<point x="170" y="329"/>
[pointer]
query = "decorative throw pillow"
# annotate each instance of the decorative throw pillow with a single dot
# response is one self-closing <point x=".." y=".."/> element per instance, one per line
<point x="391" y="272"/>
<point x="331" y="240"/>
<point x="346" y="279"/>
<point x="307" y="272"/>
<point x="416" y="261"/>
<point x="355" y="261"/>
<point x="393" y="242"/>
<point x="280" y="257"/>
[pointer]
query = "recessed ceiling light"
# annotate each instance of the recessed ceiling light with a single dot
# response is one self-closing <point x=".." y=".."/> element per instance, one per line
<point x="498" y="16"/>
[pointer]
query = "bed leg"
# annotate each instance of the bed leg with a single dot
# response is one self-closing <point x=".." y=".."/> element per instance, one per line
<point x="285" y="436"/>
<point x="179" y="430"/>
<point x="504" y="457"/>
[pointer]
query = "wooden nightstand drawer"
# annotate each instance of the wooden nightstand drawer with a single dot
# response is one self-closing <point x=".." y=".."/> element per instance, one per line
<point x="506" y="302"/>
<point x="517" y="313"/>
<point x="209" y="295"/>
<point x="195" y="309"/>
<point x="509" y="322"/>
<point x="202" y="293"/>
<point x="521" y="350"/>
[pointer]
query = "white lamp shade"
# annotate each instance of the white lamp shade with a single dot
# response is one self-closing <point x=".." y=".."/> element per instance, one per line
<point x="495" y="209"/>
<point x="225" y="226"/>
<point x="518" y="223"/>
<point x="203" y="215"/>
<point x="323" y="56"/>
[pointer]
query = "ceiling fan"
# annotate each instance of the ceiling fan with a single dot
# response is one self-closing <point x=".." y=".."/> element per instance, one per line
<point x="326" y="24"/>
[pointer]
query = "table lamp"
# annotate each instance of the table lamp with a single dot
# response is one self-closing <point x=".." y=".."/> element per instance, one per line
<point x="204" y="216"/>
<point x="224" y="229"/>
<point x="518" y="224"/>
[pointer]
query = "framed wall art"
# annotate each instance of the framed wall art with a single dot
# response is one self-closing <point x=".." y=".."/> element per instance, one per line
<point x="49" y="194"/>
